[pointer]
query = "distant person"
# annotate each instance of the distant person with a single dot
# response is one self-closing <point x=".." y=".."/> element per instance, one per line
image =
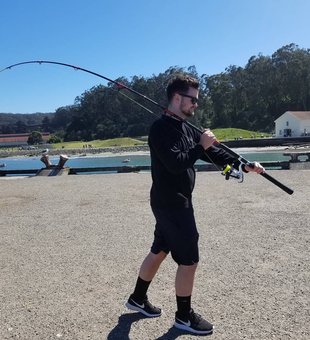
<point x="174" y="148"/>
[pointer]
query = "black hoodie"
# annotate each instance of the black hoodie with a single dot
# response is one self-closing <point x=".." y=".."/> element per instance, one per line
<point x="174" y="150"/>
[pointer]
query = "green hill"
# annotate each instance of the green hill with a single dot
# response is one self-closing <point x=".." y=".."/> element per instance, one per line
<point x="231" y="134"/>
<point x="221" y="135"/>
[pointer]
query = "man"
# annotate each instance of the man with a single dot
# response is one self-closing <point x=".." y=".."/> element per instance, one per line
<point x="174" y="148"/>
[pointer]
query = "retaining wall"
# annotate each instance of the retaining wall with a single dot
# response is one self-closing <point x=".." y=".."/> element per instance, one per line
<point x="70" y="152"/>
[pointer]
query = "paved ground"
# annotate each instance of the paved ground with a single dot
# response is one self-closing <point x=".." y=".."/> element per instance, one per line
<point x="71" y="247"/>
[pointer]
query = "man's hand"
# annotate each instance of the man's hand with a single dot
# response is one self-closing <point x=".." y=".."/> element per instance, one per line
<point x="257" y="168"/>
<point x="207" y="138"/>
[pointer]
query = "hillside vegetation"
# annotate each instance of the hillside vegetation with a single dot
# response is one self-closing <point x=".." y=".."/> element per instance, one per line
<point x="116" y="142"/>
<point x="231" y="133"/>
<point x="249" y="98"/>
<point x="221" y="135"/>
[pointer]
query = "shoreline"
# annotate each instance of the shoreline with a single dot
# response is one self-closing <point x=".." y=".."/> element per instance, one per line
<point x="273" y="149"/>
<point x="84" y="155"/>
<point x="103" y="152"/>
<point x="131" y="151"/>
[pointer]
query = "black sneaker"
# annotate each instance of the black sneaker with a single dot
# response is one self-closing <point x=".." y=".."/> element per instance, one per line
<point x="194" y="323"/>
<point x="144" y="306"/>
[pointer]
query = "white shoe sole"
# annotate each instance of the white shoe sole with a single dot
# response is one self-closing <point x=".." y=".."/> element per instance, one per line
<point x="189" y="329"/>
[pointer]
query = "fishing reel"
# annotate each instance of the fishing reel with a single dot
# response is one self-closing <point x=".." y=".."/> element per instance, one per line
<point x="229" y="171"/>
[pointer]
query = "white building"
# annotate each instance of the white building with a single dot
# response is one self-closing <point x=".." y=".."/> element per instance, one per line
<point x="293" y="124"/>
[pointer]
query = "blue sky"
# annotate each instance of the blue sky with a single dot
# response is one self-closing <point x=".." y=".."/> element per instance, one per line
<point x="128" y="38"/>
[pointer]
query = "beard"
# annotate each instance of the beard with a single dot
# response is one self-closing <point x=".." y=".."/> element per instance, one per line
<point x="188" y="112"/>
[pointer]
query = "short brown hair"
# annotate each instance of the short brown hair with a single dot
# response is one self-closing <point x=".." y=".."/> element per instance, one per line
<point x="181" y="83"/>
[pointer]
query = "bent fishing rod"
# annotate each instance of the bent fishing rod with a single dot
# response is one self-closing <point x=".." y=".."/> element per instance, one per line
<point x="122" y="86"/>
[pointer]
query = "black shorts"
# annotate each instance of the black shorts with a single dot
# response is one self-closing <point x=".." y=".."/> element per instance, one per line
<point x="176" y="231"/>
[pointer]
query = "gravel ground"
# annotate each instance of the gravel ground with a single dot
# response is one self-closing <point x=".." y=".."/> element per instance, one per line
<point x="71" y="247"/>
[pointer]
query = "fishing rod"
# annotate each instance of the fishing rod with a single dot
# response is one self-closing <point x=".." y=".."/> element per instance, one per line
<point x="122" y="86"/>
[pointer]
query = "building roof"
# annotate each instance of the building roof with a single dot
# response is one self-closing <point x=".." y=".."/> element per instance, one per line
<point x="19" y="137"/>
<point x="302" y="115"/>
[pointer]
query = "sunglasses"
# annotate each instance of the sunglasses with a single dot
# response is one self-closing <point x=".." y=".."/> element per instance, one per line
<point x="194" y="99"/>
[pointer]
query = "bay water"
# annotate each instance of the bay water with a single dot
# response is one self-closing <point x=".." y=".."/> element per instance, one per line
<point x="118" y="160"/>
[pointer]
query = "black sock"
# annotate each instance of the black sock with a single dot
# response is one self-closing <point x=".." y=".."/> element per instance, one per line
<point x="141" y="289"/>
<point x="184" y="305"/>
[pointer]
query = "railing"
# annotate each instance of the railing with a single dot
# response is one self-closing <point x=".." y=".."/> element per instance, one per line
<point x="295" y="155"/>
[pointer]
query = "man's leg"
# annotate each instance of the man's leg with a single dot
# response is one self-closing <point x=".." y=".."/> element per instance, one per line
<point x="184" y="281"/>
<point x="138" y="301"/>
<point x="150" y="265"/>
<point x="185" y="317"/>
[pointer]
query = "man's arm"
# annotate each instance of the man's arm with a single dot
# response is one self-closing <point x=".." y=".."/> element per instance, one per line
<point x="220" y="156"/>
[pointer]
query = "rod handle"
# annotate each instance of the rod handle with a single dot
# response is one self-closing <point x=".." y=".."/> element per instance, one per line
<point x="277" y="183"/>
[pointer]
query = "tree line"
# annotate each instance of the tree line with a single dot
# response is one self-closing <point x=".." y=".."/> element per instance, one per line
<point x="21" y="123"/>
<point x="249" y="97"/>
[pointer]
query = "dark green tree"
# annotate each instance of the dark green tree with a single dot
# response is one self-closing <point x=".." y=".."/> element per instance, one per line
<point x="21" y="127"/>
<point x="249" y="97"/>
<point x="46" y="125"/>
<point x="62" y="117"/>
<point x="35" y="137"/>
<point x="54" y="139"/>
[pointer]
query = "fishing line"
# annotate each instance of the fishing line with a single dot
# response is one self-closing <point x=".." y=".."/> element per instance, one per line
<point x="157" y="116"/>
<point x="121" y="86"/>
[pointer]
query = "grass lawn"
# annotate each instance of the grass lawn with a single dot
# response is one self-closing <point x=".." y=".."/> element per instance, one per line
<point x="100" y="143"/>
<point x="221" y="135"/>
<point x="231" y="134"/>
